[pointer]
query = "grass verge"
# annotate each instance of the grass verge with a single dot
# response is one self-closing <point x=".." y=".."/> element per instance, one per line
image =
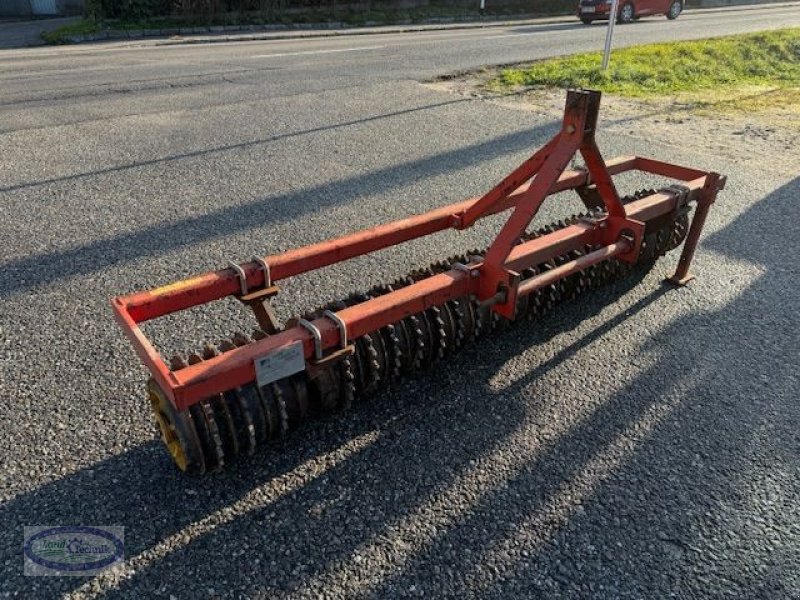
<point x="769" y="59"/>
<point x="61" y="35"/>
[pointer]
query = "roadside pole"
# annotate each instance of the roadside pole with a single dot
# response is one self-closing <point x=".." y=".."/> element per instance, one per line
<point x="612" y="19"/>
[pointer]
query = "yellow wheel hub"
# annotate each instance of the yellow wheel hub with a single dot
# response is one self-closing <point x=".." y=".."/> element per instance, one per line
<point x="165" y="416"/>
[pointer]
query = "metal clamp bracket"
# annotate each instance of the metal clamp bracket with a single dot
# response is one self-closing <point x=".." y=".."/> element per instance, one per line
<point x="472" y="271"/>
<point x="341" y="325"/>
<point x="308" y="325"/>
<point x="264" y="267"/>
<point x="345" y="349"/>
<point x="682" y="195"/>
<point x="241" y="275"/>
<point x="268" y="289"/>
<point x="258" y="300"/>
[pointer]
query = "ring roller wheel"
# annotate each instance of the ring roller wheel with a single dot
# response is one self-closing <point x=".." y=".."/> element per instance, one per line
<point x="177" y="432"/>
<point x="213" y="433"/>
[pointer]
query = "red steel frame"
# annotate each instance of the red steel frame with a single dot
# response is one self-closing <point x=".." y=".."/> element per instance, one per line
<point x="494" y="281"/>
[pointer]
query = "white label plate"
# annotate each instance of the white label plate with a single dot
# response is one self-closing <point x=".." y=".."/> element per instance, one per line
<point x="588" y="9"/>
<point x="280" y="363"/>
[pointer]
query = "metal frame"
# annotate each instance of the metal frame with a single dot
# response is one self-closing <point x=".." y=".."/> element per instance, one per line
<point x="494" y="281"/>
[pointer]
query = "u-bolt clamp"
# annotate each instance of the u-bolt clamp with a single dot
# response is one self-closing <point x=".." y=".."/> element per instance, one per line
<point x="317" y="335"/>
<point x="264" y="267"/>
<point x="243" y="276"/>
<point x="341" y="325"/>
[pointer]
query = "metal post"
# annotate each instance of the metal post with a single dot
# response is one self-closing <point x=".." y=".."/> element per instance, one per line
<point x="612" y="19"/>
<point x="714" y="183"/>
<point x="483" y="5"/>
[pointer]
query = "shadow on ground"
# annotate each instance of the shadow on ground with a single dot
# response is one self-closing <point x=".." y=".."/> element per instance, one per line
<point x="48" y="267"/>
<point x="436" y="415"/>
<point x="706" y="503"/>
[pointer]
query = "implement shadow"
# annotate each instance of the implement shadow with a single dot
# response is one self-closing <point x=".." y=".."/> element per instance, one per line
<point x="432" y="432"/>
<point x="436" y="425"/>
<point x="158" y="502"/>
<point x="143" y="491"/>
<point x="28" y="272"/>
<point x="703" y="504"/>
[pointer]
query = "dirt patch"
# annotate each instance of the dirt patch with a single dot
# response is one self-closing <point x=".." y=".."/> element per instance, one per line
<point x="748" y="126"/>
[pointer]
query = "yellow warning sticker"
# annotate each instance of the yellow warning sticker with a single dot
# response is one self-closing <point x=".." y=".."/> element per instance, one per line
<point x="176" y="287"/>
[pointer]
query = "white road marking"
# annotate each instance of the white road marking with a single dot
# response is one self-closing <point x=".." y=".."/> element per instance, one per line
<point x="508" y="35"/>
<point x="329" y="51"/>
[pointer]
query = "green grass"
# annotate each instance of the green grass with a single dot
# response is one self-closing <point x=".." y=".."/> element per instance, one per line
<point x="61" y="35"/>
<point x="759" y="59"/>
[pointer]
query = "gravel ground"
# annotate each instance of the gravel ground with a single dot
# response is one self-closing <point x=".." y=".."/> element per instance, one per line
<point x="642" y="443"/>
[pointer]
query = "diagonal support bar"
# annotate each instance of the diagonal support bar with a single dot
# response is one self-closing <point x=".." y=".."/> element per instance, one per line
<point x="601" y="179"/>
<point x="577" y="133"/>
<point x="498" y="284"/>
<point x="489" y="202"/>
<point x="598" y="172"/>
<point x="494" y="275"/>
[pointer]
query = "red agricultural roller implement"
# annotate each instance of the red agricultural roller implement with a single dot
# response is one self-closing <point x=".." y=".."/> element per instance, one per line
<point x="223" y="402"/>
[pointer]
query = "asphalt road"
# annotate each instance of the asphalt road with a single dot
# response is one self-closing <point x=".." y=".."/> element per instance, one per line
<point x="640" y="444"/>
